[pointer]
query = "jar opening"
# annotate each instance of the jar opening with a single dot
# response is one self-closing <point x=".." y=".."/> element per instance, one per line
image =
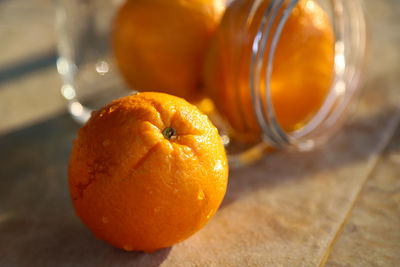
<point x="348" y="24"/>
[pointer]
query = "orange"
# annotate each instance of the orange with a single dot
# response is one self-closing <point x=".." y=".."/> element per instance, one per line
<point x="160" y="45"/>
<point x="147" y="171"/>
<point x="302" y="71"/>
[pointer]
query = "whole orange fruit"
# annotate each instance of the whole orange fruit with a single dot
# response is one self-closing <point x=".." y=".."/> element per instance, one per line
<point x="147" y="171"/>
<point x="160" y="45"/>
<point x="302" y="71"/>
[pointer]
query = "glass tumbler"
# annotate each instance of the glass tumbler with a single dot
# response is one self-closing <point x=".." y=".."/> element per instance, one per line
<point x="85" y="63"/>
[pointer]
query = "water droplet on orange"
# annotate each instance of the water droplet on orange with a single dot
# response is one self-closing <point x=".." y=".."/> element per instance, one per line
<point x="104" y="220"/>
<point x="200" y="195"/>
<point x="128" y="247"/>
<point x="106" y="142"/>
<point x="157" y="209"/>
<point x="210" y="214"/>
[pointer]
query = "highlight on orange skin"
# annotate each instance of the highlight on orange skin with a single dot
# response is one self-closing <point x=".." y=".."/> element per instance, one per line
<point x="147" y="171"/>
<point x="302" y="71"/>
<point x="160" y="45"/>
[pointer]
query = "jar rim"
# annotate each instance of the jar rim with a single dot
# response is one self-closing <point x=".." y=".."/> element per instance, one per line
<point x="350" y="44"/>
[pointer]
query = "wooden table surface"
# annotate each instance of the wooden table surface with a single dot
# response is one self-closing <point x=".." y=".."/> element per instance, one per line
<point x="338" y="205"/>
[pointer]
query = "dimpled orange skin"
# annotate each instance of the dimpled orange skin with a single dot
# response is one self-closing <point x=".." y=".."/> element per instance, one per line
<point x="135" y="188"/>
<point x="160" y="45"/>
<point x="302" y="68"/>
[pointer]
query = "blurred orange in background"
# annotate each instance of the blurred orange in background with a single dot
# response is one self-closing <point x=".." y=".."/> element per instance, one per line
<point x="160" y="45"/>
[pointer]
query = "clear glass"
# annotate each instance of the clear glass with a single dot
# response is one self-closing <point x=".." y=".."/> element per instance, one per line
<point x="91" y="79"/>
<point x="348" y="22"/>
<point x="85" y="63"/>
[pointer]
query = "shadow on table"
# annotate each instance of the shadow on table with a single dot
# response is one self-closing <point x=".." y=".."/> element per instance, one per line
<point x="38" y="226"/>
<point x="37" y="240"/>
<point x="358" y="141"/>
<point x="37" y="222"/>
<point x="21" y="68"/>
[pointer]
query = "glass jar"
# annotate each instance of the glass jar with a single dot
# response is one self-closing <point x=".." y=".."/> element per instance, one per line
<point x="250" y="86"/>
<point x="253" y="28"/>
